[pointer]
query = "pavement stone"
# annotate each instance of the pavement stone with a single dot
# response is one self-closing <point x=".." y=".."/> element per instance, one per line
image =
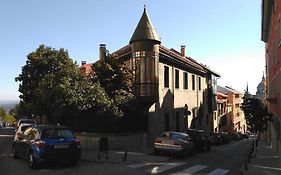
<point x="266" y="161"/>
<point x="120" y="157"/>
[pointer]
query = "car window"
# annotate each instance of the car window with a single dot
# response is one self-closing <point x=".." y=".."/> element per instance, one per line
<point x="166" y="134"/>
<point x="177" y="136"/>
<point x="23" y="128"/>
<point x="57" y="133"/>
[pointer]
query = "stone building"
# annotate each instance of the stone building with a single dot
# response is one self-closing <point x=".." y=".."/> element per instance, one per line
<point x="271" y="35"/>
<point x="175" y="91"/>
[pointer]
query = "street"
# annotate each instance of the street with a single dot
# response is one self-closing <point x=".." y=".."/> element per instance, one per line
<point x="223" y="159"/>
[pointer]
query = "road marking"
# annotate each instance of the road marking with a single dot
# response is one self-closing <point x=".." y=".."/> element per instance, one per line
<point x="6" y="135"/>
<point x="266" y="167"/>
<point x="168" y="166"/>
<point x="191" y="170"/>
<point x="218" y="172"/>
<point x="144" y="164"/>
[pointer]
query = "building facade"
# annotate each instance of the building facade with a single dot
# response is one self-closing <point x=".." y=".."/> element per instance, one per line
<point x="271" y="35"/>
<point x="221" y="116"/>
<point x="236" y="121"/>
<point x="175" y="91"/>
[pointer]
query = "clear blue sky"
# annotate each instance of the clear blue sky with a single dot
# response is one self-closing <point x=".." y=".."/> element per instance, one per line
<point x="223" y="34"/>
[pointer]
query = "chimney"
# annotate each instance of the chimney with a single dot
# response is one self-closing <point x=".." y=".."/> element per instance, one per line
<point x="102" y="52"/>
<point x="183" y="50"/>
<point x="83" y="63"/>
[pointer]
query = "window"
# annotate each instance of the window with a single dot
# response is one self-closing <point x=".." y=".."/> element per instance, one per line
<point x="177" y="84"/>
<point x="166" y="76"/>
<point x="199" y="83"/>
<point x="185" y="80"/>
<point x="193" y="82"/>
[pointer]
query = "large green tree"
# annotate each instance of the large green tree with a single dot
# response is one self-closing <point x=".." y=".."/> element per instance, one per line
<point x="2" y="112"/>
<point x="116" y="79"/>
<point x="256" y="114"/>
<point x="51" y="83"/>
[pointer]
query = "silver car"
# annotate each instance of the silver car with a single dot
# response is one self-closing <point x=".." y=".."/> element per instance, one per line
<point x="173" y="142"/>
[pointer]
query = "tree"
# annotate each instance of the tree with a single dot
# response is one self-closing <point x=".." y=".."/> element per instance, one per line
<point x="257" y="116"/>
<point x="116" y="79"/>
<point x="2" y="112"/>
<point x="51" y="83"/>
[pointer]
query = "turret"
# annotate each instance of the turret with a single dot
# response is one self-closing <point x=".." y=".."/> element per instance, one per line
<point x="145" y="58"/>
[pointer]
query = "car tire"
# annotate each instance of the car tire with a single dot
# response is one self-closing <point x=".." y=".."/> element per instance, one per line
<point x="31" y="162"/>
<point x="14" y="152"/>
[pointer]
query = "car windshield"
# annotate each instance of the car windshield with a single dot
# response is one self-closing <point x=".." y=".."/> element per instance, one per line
<point x="178" y="137"/>
<point x="57" y="133"/>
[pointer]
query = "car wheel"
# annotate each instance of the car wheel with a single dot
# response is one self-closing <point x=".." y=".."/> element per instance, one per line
<point x="31" y="161"/>
<point x="14" y="152"/>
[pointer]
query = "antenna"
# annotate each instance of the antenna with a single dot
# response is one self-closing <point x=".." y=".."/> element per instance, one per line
<point x="144" y="4"/>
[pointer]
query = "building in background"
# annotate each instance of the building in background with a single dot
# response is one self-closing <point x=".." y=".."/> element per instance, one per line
<point x="221" y="116"/>
<point x="260" y="94"/>
<point x="236" y="121"/>
<point x="271" y="35"/>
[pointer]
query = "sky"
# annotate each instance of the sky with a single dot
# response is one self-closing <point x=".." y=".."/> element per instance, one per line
<point x="221" y="34"/>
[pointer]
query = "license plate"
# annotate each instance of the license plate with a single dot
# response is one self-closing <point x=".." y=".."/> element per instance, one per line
<point x="61" y="146"/>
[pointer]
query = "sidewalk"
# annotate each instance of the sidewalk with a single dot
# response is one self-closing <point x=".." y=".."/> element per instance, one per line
<point x="116" y="157"/>
<point x="266" y="162"/>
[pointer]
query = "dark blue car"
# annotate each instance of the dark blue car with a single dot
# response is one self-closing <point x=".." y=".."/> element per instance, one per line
<point x="39" y="144"/>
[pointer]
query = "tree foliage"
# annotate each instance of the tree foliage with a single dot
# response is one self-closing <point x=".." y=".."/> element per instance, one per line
<point x="51" y="82"/>
<point x="257" y="116"/>
<point x="116" y="79"/>
<point x="2" y="112"/>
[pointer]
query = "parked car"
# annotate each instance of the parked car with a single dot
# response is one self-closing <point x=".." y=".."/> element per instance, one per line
<point x="244" y="135"/>
<point x="40" y="144"/>
<point x="22" y="127"/>
<point x="29" y="121"/>
<point x="225" y="137"/>
<point x="215" y="138"/>
<point x="235" y="136"/>
<point x="200" y="139"/>
<point x="173" y="142"/>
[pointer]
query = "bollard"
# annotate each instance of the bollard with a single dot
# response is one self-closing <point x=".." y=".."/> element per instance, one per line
<point x="125" y="155"/>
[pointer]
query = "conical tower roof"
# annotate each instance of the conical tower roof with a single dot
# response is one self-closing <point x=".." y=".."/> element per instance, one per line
<point x="145" y="30"/>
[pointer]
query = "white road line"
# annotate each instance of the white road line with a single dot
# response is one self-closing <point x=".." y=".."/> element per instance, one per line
<point x="218" y="172"/>
<point x="6" y="135"/>
<point x="191" y="170"/>
<point x="139" y="165"/>
<point x="159" y="169"/>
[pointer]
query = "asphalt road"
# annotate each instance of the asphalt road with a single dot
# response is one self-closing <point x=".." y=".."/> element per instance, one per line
<point x="224" y="159"/>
